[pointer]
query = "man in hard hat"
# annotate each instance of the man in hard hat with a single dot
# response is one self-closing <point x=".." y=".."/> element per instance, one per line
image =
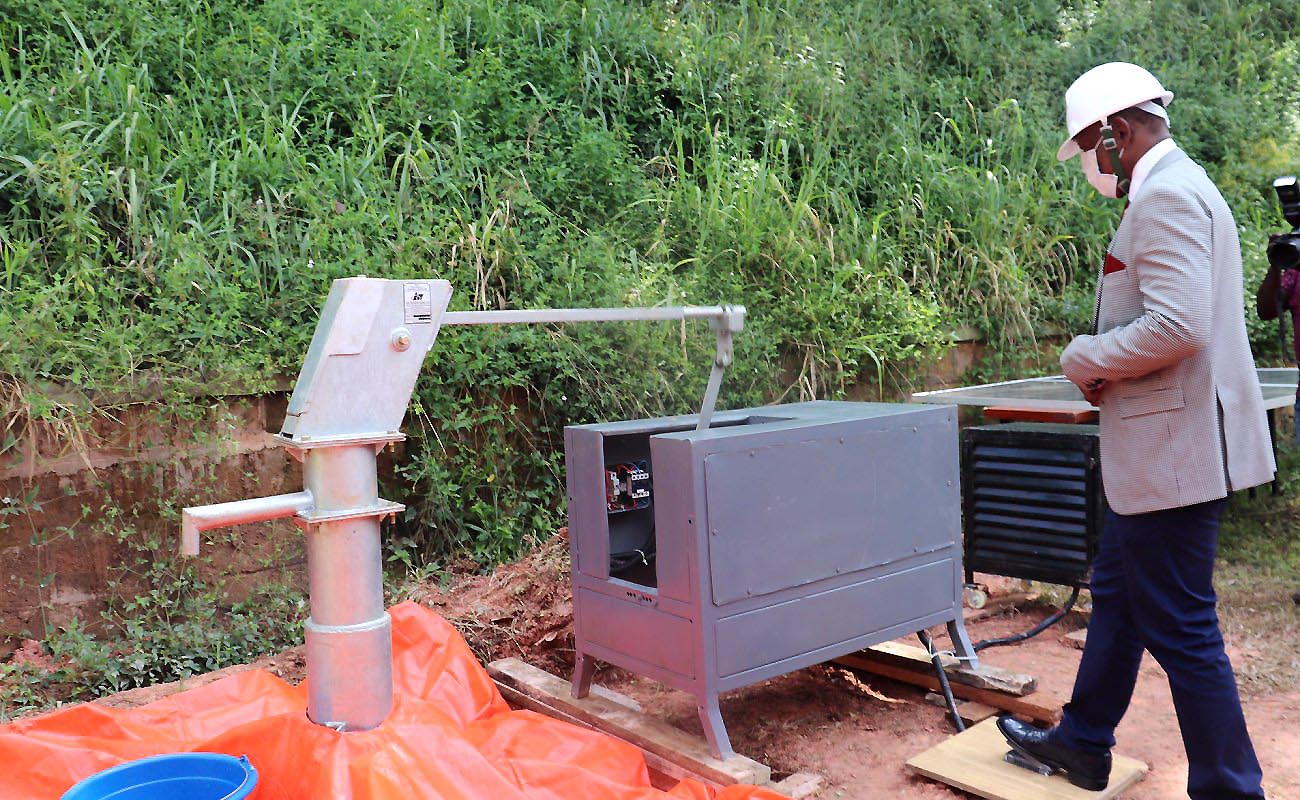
<point x="1182" y="425"/>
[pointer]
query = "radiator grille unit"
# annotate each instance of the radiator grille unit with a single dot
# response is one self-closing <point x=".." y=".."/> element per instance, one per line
<point x="1032" y="501"/>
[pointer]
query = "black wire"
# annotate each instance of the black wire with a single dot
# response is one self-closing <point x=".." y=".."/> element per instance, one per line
<point x="1034" y="631"/>
<point x="645" y="554"/>
<point x="943" y="681"/>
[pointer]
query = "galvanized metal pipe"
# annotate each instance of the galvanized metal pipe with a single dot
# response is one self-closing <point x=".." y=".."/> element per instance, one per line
<point x="196" y="519"/>
<point x="349" y="637"/>
<point x="512" y="316"/>
<point x="341" y="477"/>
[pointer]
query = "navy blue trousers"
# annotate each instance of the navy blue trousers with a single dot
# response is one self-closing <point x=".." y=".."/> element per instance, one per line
<point x="1152" y="589"/>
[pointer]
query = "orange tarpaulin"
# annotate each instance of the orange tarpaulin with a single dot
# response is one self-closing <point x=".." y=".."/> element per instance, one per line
<point x="450" y="735"/>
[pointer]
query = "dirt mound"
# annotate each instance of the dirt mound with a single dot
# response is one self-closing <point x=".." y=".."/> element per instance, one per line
<point x="524" y="609"/>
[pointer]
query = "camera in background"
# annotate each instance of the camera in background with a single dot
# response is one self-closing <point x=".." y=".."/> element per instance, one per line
<point x="1284" y="250"/>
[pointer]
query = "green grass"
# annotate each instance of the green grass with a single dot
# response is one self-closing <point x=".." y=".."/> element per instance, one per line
<point x="1259" y="571"/>
<point x="180" y="182"/>
<point x="1262" y="532"/>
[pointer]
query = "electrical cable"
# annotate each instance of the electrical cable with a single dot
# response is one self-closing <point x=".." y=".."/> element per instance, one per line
<point x="937" y="661"/>
<point x="1034" y="631"/>
<point x="626" y="559"/>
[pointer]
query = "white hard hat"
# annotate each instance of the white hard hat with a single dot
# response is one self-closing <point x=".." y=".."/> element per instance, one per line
<point x="1106" y="89"/>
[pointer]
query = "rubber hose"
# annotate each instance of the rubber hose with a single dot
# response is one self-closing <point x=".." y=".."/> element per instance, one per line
<point x="1034" y="631"/>
<point x="943" y="681"/>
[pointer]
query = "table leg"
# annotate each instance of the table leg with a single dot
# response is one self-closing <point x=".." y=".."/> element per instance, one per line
<point x="1272" y="438"/>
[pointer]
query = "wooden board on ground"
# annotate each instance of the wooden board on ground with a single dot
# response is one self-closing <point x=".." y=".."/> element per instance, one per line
<point x="985" y="676"/>
<point x="1045" y="710"/>
<point x="675" y="753"/>
<point x="664" y="774"/>
<point x="972" y="761"/>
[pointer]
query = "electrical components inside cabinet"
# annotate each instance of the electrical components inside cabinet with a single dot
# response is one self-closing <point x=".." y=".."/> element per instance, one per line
<point x="627" y="486"/>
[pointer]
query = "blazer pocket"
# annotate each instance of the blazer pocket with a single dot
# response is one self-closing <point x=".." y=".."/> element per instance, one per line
<point x="1153" y="402"/>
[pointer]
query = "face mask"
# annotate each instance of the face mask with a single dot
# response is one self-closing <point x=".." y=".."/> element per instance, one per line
<point x="1106" y="185"/>
<point x="1113" y="185"/>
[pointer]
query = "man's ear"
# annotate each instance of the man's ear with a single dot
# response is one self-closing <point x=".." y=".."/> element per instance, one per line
<point x="1123" y="131"/>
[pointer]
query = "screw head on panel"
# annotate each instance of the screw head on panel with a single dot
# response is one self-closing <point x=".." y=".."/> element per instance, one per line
<point x="401" y="339"/>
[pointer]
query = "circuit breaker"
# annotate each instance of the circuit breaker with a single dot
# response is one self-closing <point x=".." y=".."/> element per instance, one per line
<point x="777" y="538"/>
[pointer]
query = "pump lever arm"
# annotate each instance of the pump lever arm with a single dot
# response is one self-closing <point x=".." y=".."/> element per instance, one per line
<point x="729" y="321"/>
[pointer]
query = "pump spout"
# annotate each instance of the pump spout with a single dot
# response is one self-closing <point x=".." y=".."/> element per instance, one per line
<point x="221" y="515"/>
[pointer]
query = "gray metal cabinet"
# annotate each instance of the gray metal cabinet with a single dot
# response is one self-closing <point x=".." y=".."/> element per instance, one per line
<point x="778" y="538"/>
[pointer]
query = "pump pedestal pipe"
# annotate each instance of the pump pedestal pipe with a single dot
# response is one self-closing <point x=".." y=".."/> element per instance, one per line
<point x="347" y="405"/>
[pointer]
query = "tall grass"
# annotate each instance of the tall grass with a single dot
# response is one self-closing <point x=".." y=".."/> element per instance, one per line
<point x="181" y="180"/>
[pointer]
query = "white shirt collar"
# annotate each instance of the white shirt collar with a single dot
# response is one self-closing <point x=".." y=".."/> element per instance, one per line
<point x="1148" y="162"/>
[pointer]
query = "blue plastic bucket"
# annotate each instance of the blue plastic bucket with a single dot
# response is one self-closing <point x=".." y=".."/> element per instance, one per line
<point x="192" y="776"/>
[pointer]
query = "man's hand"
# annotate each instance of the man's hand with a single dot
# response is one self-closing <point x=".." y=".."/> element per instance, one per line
<point x="1092" y="390"/>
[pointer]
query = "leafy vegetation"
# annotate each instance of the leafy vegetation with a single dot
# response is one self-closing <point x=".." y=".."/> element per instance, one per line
<point x="1258" y="574"/>
<point x="166" y="618"/>
<point x="181" y="180"/>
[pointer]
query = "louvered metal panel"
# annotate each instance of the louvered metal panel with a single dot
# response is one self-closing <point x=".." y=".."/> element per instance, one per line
<point x="1032" y="501"/>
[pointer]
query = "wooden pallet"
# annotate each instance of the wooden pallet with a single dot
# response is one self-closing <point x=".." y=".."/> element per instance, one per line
<point x="671" y="754"/>
<point x="973" y="762"/>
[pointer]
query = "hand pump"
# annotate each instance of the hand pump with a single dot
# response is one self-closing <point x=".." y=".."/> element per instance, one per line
<point x="348" y="403"/>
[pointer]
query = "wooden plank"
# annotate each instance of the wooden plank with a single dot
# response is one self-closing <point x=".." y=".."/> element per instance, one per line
<point x="985" y="676"/>
<point x="1045" y="711"/>
<point x="651" y="735"/>
<point x="664" y="774"/>
<point x="1017" y="414"/>
<point x="972" y="761"/>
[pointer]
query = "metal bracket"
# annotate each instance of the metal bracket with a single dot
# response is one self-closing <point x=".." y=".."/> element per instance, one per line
<point x="307" y="518"/>
<point x="1026" y="761"/>
<point x="310" y="442"/>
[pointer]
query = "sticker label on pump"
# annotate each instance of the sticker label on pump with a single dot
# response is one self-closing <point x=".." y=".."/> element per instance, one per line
<point x="418" y="303"/>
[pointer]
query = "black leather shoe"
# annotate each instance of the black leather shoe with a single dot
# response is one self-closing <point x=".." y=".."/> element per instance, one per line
<point x="1089" y="771"/>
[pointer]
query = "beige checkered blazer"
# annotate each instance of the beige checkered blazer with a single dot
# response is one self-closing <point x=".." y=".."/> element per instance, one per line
<point x="1182" y="417"/>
